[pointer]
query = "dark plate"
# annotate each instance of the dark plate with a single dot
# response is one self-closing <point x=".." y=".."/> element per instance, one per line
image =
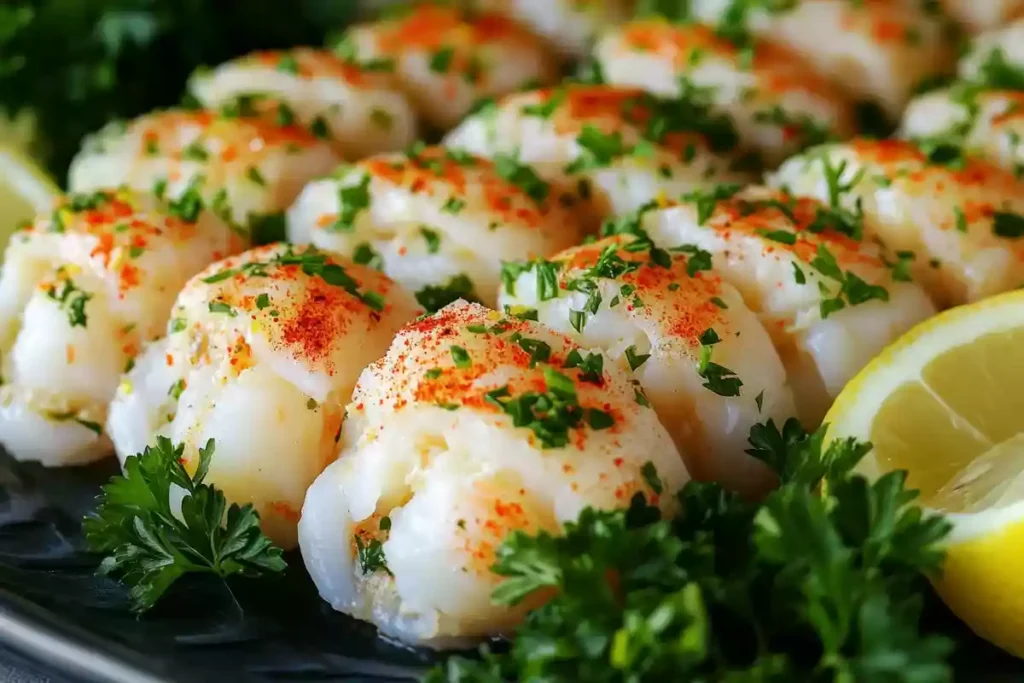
<point x="74" y="625"/>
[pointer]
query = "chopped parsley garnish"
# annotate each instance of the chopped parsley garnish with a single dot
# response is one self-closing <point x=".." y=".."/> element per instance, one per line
<point x="635" y="359"/>
<point x="262" y="301"/>
<point x="365" y="255"/>
<point x="352" y="200"/>
<point x="706" y="200"/>
<point x="435" y="297"/>
<point x="696" y="258"/>
<point x="809" y="130"/>
<point x="70" y="299"/>
<point x="371" y="554"/>
<point x="1000" y="73"/>
<point x="650" y="475"/>
<point x="189" y="204"/>
<point x="288" y="64"/>
<point x="591" y="367"/>
<point x="545" y="109"/>
<point x="597" y="149"/>
<point x="781" y="236"/>
<point x="798" y="274"/>
<point x="433" y="239"/>
<point x="1009" y="225"/>
<point x="522" y="176"/>
<point x="253" y="174"/>
<point x="852" y="287"/>
<point x="461" y="357"/>
<point x="285" y="115"/>
<point x="176" y="389"/>
<point x="454" y="206"/>
<point x="433" y="373"/>
<point x="441" y="60"/>
<point x="149" y="546"/>
<point x="319" y="128"/>
<point x="539" y="351"/>
<point x="552" y="413"/>
<point x="195" y="151"/>
<point x="719" y="379"/>
<point x="222" y="307"/>
<point x="266" y="228"/>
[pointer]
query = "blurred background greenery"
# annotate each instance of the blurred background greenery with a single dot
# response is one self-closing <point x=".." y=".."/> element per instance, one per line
<point x="69" y="66"/>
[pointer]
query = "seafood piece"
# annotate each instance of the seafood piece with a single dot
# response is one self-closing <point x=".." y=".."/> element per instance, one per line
<point x="778" y="104"/>
<point x="354" y="106"/>
<point x="446" y="59"/>
<point x="996" y="58"/>
<point x="876" y="50"/>
<point x="982" y="123"/>
<point x="246" y="170"/>
<point x="261" y="355"/>
<point x="702" y="357"/>
<point x="829" y="301"/>
<point x="472" y="426"/>
<point x="82" y="290"/>
<point x="438" y="221"/>
<point x="961" y="218"/>
<point x="619" y="147"/>
<point x="569" y="26"/>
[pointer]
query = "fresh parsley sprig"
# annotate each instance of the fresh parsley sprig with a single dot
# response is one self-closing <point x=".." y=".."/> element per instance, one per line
<point x="149" y="545"/>
<point x="801" y="586"/>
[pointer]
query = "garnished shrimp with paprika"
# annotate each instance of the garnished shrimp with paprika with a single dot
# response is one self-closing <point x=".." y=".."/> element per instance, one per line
<point x="965" y="119"/>
<point x="778" y="103"/>
<point x="569" y="26"/>
<point x="438" y="221"/>
<point x="261" y="353"/>
<point x="244" y="169"/>
<point x="354" y="106"/>
<point x="473" y="425"/>
<point x="447" y="59"/>
<point x="996" y="58"/>
<point x="829" y="300"/>
<point x="878" y="51"/>
<point x="82" y="289"/>
<point x="981" y="16"/>
<point x="620" y="147"/>
<point x="703" y="358"/>
<point x="959" y="220"/>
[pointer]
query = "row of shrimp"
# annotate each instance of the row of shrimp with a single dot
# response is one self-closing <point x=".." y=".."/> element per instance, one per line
<point x="580" y="294"/>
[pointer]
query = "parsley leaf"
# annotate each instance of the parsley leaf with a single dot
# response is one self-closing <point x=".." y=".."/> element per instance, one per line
<point x="435" y="297"/>
<point x="149" y="547"/>
<point x="800" y="586"/>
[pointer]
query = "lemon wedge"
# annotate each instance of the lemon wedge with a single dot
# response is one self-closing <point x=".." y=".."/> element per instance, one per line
<point x="946" y="403"/>
<point x="25" y="190"/>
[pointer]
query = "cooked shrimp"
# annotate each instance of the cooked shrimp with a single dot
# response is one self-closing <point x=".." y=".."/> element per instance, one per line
<point x="273" y="338"/>
<point x="246" y="170"/>
<point x="982" y="16"/>
<point x="82" y="289"/>
<point x="619" y="146"/>
<point x="701" y="355"/>
<point x="778" y="104"/>
<point x="437" y="221"/>
<point x="472" y="426"/>
<point x="828" y="300"/>
<point x="447" y="59"/>
<point x="876" y="50"/>
<point x="983" y="123"/>
<point x="354" y="106"/>
<point x="961" y="220"/>
<point x="996" y="58"/>
<point x="569" y="26"/>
